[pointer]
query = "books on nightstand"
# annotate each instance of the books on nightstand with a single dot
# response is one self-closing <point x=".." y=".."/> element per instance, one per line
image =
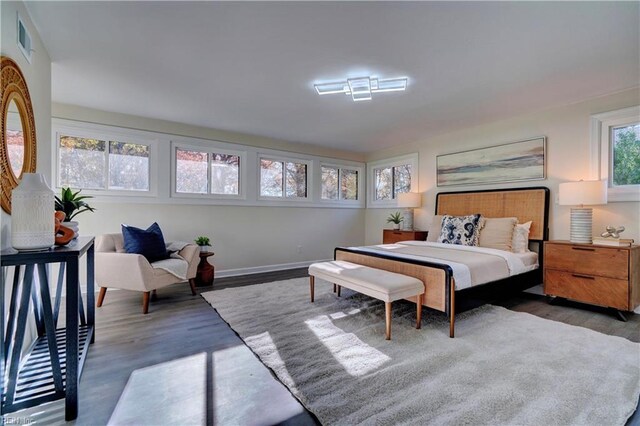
<point x="616" y="242"/>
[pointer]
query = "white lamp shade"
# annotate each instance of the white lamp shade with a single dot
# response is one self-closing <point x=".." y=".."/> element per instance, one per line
<point x="409" y="199"/>
<point x="584" y="192"/>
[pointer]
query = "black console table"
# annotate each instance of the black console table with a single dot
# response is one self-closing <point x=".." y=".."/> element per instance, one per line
<point x="51" y="369"/>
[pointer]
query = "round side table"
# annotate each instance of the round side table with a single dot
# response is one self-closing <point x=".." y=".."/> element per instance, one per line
<point x="205" y="274"/>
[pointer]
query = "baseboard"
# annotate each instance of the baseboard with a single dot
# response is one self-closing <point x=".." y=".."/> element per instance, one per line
<point x="265" y="268"/>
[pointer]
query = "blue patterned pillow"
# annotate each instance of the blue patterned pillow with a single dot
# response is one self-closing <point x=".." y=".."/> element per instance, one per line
<point x="461" y="230"/>
<point x="147" y="242"/>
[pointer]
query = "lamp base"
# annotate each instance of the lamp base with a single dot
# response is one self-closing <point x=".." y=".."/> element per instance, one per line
<point x="581" y="225"/>
<point x="407" y="222"/>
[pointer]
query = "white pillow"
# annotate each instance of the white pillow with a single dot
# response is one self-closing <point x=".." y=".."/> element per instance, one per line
<point x="520" y="242"/>
<point x="435" y="228"/>
<point x="497" y="233"/>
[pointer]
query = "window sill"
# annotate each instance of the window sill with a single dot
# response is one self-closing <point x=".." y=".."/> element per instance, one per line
<point x="623" y="194"/>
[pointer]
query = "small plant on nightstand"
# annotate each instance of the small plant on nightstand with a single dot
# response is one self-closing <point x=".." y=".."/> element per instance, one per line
<point x="204" y="243"/>
<point x="395" y="218"/>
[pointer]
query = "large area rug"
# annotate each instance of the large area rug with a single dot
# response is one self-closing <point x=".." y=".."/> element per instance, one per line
<point x="503" y="367"/>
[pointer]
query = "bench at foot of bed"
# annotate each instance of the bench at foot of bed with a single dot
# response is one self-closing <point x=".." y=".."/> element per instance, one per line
<point x="377" y="283"/>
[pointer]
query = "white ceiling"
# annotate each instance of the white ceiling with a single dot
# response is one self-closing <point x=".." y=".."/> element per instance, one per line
<point x="250" y="67"/>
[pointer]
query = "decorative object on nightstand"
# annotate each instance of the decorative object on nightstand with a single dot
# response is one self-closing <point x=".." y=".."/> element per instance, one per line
<point x="206" y="271"/>
<point x="396" y="219"/>
<point x="204" y="243"/>
<point x="582" y="193"/>
<point x="611" y="237"/>
<point x="390" y="236"/>
<point x="605" y="276"/>
<point x="613" y="231"/>
<point x="409" y="201"/>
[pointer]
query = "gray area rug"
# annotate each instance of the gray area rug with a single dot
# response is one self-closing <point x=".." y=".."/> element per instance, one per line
<point x="503" y="367"/>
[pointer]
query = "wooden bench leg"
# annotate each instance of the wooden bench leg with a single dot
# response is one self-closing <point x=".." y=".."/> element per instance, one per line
<point x="339" y="287"/>
<point x="387" y="314"/>
<point x="312" y="280"/>
<point x="335" y="288"/>
<point x="419" y="312"/>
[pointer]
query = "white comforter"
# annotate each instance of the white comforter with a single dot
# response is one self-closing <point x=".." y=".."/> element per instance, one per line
<point x="470" y="265"/>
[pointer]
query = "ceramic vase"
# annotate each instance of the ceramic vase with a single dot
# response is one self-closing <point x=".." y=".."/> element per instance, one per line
<point x="32" y="208"/>
<point x="74" y="226"/>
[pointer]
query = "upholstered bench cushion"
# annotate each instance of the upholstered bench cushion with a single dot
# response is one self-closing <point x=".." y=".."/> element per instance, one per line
<point x="383" y="285"/>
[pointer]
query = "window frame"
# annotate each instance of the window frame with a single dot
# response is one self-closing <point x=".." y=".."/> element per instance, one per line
<point x="340" y="200"/>
<point x="209" y="149"/>
<point x="284" y="159"/>
<point x="602" y="151"/>
<point x="412" y="159"/>
<point x="107" y="134"/>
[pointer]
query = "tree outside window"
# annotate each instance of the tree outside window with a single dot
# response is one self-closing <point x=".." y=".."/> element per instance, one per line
<point x="626" y="155"/>
<point x="284" y="179"/>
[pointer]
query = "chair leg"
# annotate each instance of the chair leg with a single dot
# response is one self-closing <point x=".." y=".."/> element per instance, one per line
<point x="103" y="292"/>
<point x="145" y="302"/>
<point x="192" y="283"/>
<point x="387" y="314"/>
<point x="312" y="280"/>
<point x="339" y="291"/>
<point x="154" y="295"/>
<point x="419" y="311"/>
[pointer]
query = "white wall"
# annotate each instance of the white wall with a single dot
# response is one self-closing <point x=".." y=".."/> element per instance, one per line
<point x="245" y="238"/>
<point x="568" y="158"/>
<point x="38" y="77"/>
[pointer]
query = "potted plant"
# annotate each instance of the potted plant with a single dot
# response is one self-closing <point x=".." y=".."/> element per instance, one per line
<point x="395" y="218"/>
<point x="72" y="204"/>
<point x="204" y="243"/>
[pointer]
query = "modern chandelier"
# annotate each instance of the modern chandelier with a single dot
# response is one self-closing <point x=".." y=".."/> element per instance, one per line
<point x="362" y="88"/>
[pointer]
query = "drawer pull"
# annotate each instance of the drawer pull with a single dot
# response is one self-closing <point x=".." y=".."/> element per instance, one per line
<point x="588" y="277"/>
<point x="397" y="233"/>
<point x="583" y="248"/>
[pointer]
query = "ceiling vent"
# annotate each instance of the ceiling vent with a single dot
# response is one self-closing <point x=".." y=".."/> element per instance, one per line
<point x="24" y="39"/>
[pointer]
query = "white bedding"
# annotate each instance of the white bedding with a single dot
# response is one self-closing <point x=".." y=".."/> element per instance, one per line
<point x="471" y="266"/>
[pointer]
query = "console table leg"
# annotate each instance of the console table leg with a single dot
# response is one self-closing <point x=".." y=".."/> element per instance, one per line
<point x="91" y="295"/>
<point x="19" y="337"/>
<point x="72" y="344"/>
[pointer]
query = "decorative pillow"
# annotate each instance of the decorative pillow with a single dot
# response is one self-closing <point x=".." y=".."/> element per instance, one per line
<point x="435" y="229"/>
<point x="497" y="233"/>
<point x="520" y="242"/>
<point x="147" y="242"/>
<point x="461" y="230"/>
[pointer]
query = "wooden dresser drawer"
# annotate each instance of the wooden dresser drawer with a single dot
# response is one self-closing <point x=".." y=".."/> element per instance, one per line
<point x="588" y="260"/>
<point x="390" y="236"/>
<point x="586" y="288"/>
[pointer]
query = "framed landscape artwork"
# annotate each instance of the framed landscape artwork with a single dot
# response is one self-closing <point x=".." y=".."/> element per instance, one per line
<point x="524" y="160"/>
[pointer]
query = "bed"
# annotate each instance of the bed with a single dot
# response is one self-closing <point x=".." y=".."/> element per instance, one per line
<point x="526" y="204"/>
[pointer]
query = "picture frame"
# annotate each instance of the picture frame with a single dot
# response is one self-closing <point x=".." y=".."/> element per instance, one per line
<point x="510" y="162"/>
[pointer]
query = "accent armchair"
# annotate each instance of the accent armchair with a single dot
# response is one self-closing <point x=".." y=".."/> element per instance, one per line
<point x="115" y="268"/>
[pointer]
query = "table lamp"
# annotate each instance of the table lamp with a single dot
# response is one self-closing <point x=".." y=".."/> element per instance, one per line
<point x="409" y="200"/>
<point x="582" y="193"/>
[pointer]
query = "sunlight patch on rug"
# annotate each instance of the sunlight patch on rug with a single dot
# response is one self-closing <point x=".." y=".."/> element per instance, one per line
<point x="353" y="354"/>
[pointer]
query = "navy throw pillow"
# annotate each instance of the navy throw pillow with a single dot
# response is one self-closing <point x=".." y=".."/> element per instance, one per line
<point x="147" y="242"/>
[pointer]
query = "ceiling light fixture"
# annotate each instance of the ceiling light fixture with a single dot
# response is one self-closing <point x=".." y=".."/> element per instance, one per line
<point x="361" y="88"/>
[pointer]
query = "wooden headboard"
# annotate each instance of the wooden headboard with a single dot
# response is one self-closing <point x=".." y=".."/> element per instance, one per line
<point x="527" y="204"/>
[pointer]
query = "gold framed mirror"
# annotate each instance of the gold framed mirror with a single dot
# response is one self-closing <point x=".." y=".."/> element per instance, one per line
<point x="18" y="141"/>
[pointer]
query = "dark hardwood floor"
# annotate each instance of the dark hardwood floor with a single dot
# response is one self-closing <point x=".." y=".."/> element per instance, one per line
<point x="180" y="325"/>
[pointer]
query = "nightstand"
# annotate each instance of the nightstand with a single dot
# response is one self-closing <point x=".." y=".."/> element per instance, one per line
<point x="390" y="236"/>
<point x="599" y="275"/>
